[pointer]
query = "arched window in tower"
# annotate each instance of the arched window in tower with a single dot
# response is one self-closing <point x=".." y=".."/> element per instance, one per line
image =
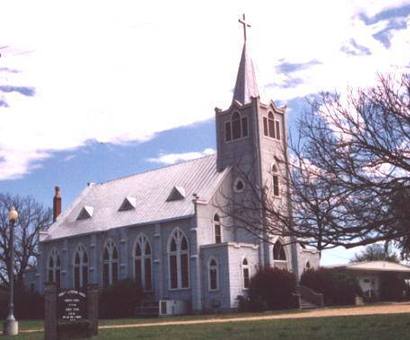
<point x="217" y="229"/>
<point x="245" y="273"/>
<point x="54" y="268"/>
<point x="271" y="125"/>
<point x="213" y="274"/>
<point x="277" y="126"/>
<point x="178" y="261"/>
<point x="80" y="274"/>
<point x="236" y="127"/>
<point x="143" y="262"/>
<point x="275" y="181"/>
<point x="244" y="125"/>
<point x="110" y="264"/>
<point x="265" y="126"/>
<point x="279" y="252"/>
<point x="228" y="132"/>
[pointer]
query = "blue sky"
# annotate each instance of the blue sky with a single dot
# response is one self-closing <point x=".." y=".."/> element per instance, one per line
<point x="91" y="91"/>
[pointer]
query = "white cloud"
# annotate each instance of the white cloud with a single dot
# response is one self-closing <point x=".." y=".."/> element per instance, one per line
<point x="173" y="158"/>
<point x="14" y="164"/>
<point x="119" y="71"/>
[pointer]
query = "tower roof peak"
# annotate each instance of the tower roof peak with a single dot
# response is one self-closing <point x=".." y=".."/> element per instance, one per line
<point x="245" y="86"/>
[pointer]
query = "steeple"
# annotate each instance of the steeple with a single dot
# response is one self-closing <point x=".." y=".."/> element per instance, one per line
<point x="245" y="86"/>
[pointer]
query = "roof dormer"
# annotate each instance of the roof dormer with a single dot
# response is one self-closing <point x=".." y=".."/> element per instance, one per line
<point x="86" y="212"/>
<point x="129" y="203"/>
<point x="177" y="193"/>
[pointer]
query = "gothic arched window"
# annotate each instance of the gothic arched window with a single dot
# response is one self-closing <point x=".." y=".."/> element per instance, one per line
<point x="143" y="262"/>
<point x="245" y="273"/>
<point x="265" y="126"/>
<point x="271" y="125"/>
<point x="54" y="268"/>
<point x="80" y="274"/>
<point x="237" y="127"/>
<point x="279" y="252"/>
<point x="178" y="261"/>
<point x="213" y="274"/>
<point x="277" y="126"/>
<point x="110" y="263"/>
<point x="275" y="181"/>
<point x="217" y="229"/>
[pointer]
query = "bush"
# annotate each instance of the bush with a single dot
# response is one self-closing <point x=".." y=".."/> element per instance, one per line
<point x="28" y="304"/>
<point x="120" y="300"/>
<point x="271" y="288"/>
<point x="392" y="288"/>
<point x="338" y="287"/>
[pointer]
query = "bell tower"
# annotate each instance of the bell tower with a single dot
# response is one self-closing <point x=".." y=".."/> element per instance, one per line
<point x="250" y="134"/>
<point x="251" y="139"/>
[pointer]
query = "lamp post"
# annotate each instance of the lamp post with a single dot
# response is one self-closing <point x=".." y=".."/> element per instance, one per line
<point x="11" y="324"/>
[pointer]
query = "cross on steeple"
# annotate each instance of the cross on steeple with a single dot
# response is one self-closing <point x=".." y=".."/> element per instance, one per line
<point x="245" y="24"/>
<point x="245" y="86"/>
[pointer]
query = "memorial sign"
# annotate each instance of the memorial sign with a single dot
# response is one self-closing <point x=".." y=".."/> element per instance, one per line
<point x="70" y="314"/>
<point x="72" y="306"/>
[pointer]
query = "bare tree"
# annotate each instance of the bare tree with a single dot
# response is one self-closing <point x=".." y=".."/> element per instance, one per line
<point x="348" y="176"/>
<point x="376" y="252"/>
<point x="357" y="155"/>
<point x="33" y="217"/>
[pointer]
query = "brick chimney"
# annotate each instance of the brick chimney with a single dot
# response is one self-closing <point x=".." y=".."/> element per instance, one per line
<point x="56" y="203"/>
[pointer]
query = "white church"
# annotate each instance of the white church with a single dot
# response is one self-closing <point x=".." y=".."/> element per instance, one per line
<point x="168" y="229"/>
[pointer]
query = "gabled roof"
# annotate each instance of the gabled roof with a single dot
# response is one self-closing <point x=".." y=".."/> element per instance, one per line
<point x="150" y="190"/>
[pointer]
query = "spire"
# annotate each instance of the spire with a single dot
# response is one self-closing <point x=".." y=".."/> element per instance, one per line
<point x="245" y="86"/>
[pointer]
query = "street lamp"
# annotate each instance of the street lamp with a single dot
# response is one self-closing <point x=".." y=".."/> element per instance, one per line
<point x="11" y="326"/>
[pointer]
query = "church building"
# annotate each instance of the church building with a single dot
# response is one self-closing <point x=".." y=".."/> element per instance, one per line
<point x="168" y="228"/>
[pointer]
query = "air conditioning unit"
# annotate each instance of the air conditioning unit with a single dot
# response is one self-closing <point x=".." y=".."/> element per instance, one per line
<point x="172" y="307"/>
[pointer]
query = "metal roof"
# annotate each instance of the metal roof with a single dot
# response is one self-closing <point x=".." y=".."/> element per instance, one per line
<point x="376" y="266"/>
<point x="150" y="190"/>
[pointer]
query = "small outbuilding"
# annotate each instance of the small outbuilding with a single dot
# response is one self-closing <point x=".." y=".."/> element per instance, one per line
<point x="369" y="275"/>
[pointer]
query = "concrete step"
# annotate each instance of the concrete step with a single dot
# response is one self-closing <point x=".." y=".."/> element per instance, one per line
<point x="307" y="305"/>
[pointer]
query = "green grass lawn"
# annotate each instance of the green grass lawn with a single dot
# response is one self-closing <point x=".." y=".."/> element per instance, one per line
<point x="38" y="324"/>
<point x="390" y="326"/>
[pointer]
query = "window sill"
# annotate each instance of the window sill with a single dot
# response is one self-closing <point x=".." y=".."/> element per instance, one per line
<point x="178" y="289"/>
<point x="236" y="140"/>
<point x="272" y="138"/>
